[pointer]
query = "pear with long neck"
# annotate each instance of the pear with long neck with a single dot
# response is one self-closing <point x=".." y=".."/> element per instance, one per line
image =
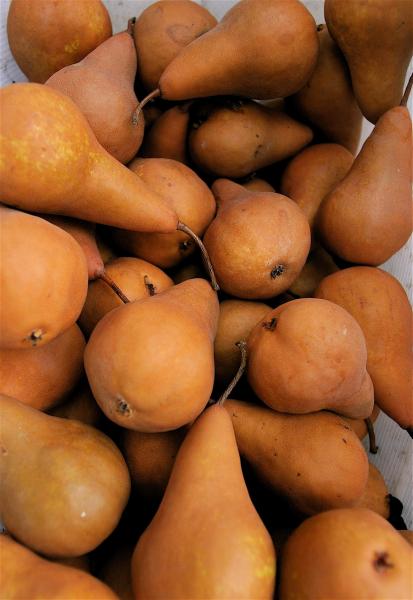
<point x="206" y="540"/>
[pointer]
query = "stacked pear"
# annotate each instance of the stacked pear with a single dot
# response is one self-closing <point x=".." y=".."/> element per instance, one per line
<point x="167" y="136"/>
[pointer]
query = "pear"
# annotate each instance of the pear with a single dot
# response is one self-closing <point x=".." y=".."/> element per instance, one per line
<point x="45" y="36"/>
<point x="382" y="309"/>
<point x="150" y="363"/>
<point x="101" y="85"/>
<point x="256" y="184"/>
<point x="135" y="277"/>
<point x="51" y="162"/>
<point x="377" y="45"/>
<point x="64" y="484"/>
<point x="319" y="264"/>
<point x="43" y="377"/>
<point x="367" y="217"/>
<point x="187" y="195"/>
<point x="407" y="535"/>
<point x="43" y="277"/>
<point x="355" y="553"/>
<point x="315" y="460"/>
<point x="167" y="136"/>
<point x="80" y="406"/>
<point x="359" y="426"/>
<point x="26" y="575"/>
<point x="257" y="243"/>
<point x="162" y="30"/>
<point x="116" y="572"/>
<point x="327" y="100"/>
<point x="308" y="355"/>
<point x="221" y="548"/>
<point x="376" y="495"/>
<point x="188" y="270"/>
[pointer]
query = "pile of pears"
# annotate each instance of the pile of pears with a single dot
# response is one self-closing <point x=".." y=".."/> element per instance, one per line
<point x="196" y="334"/>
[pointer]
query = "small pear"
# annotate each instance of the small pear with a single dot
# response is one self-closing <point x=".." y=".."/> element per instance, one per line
<point x="167" y="136"/>
<point x="257" y="243"/>
<point x="376" y="495"/>
<point x="319" y="264"/>
<point x="256" y="184"/>
<point x="359" y="426"/>
<point x="80" y="406"/>
<point x="115" y="571"/>
<point x="221" y="549"/>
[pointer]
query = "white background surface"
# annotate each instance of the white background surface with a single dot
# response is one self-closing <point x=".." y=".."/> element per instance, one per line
<point x="394" y="458"/>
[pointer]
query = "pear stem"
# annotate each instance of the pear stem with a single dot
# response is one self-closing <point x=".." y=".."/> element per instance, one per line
<point x="109" y="281"/>
<point x="131" y="26"/>
<point x="205" y="257"/>
<point x="155" y="94"/>
<point x="406" y="94"/>
<point x="372" y="436"/>
<point x="242" y="345"/>
<point x="149" y="286"/>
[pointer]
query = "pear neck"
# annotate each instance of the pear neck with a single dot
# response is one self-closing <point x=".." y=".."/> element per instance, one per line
<point x="227" y="191"/>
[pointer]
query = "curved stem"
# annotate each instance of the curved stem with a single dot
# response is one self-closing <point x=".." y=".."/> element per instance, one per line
<point x="205" y="257"/>
<point x="242" y="345"/>
<point x="155" y="94"/>
<point x="131" y="26"/>
<point x="372" y="436"/>
<point x="406" y="94"/>
<point x="149" y="286"/>
<point x="109" y="281"/>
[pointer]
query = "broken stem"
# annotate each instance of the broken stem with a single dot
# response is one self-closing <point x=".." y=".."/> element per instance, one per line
<point x="406" y="94"/>
<point x="131" y="26"/>
<point x="109" y="281"/>
<point x="372" y="436"/>
<point x="242" y="345"/>
<point x="205" y="257"/>
<point x="149" y="286"/>
<point x="155" y="94"/>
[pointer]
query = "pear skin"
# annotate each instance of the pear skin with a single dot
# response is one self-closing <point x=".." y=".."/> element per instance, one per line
<point x="167" y="136"/>
<point x="382" y="309"/>
<point x="255" y="184"/>
<point x="407" y="535"/>
<point x="221" y="547"/>
<point x="115" y="571"/>
<point x="359" y="426"/>
<point x="319" y="264"/>
<point x="80" y="406"/>
<point x="376" y="495"/>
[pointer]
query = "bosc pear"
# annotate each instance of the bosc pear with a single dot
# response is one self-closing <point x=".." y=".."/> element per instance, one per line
<point x="167" y="136"/>
<point x="221" y="549"/>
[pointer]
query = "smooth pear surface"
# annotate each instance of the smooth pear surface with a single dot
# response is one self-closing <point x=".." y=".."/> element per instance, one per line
<point x="80" y="406"/>
<point x="167" y="136"/>
<point x="255" y="184"/>
<point x="376" y="495"/>
<point x="319" y="264"/>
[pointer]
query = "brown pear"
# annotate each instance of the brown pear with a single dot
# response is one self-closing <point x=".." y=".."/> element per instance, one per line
<point x="376" y="495"/>
<point x="64" y="484"/>
<point x="368" y="216"/>
<point x="359" y="426"/>
<point x="327" y="100"/>
<point x="319" y="264"/>
<point x="234" y="142"/>
<point x="186" y="194"/>
<point x="382" y="309"/>
<point x="315" y="460"/>
<point x="102" y="86"/>
<point x="136" y="279"/>
<point x="313" y="173"/>
<point x="167" y="136"/>
<point x="162" y="30"/>
<point x="355" y="553"/>
<point x="308" y="355"/>
<point x="377" y="45"/>
<point x="257" y="243"/>
<point x="24" y="574"/>
<point x="45" y="36"/>
<point x="407" y="535"/>
<point x="43" y="377"/>
<point x="255" y="184"/>
<point x="188" y="270"/>
<point x="229" y="59"/>
<point x="116" y="571"/>
<point x="51" y="162"/>
<point x="81" y="406"/>
<point x="43" y="277"/>
<point x="221" y="549"/>
<point x="150" y="363"/>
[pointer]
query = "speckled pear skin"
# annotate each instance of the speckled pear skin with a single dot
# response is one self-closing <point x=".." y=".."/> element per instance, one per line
<point x="221" y="549"/>
<point x="50" y="161"/>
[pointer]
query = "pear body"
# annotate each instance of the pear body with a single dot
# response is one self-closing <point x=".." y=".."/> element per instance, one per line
<point x="43" y="280"/>
<point x="165" y="380"/>
<point x="376" y="495"/>
<point x="257" y="243"/>
<point x="115" y="571"/>
<point x="68" y="493"/>
<point x="377" y="45"/>
<point x="319" y="264"/>
<point x="255" y="184"/>
<point x="167" y="136"/>
<point x="45" y="36"/>
<point x="102" y="86"/>
<point x="368" y="216"/>
<point x="382" y="309"/>
<point x="221" y="547"/>
<point x="315" y="460"/>
<point x="229" y="59"/>
<point x="80" y="406"/>
<point x="343" y="541"/>
<point x="51" y="162"/>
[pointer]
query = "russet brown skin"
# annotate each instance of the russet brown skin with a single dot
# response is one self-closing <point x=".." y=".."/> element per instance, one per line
<point x="135" y="277"/>
<point x="236" y="142"/>
<point x="68" y="493"/>
<point x="43" y="280"/>
<point x="116" y="571"/>
<point x="162" y="30"/>
<point x="315" y="460"/>
<point x="377" y="45"/>
<point x="307" y="355"/>
<point x="368" y="216"/>
<point x="319" y="264"/>
<point x="102" y="86"/>
<point x="221" y="549"/>
<point x="80" y="406"/>
<point x="43" y="377"/>
<point x="359" y="425"/>
<point x="274" y="62"/>
<point x="51" y="162"/>
<point x="150" y="363"/>
<point x="407" y="535"/>
<point x="376" y="496"/>
<point x="258" y="185"/>
<point x="257" y="243"/>
<point x="167" y="136"/>
<point x="382" y="309"/>
<point x="46" y="35"/>
<point x="186" y="194"/>
<point x="327" y="100"/>
<point x="355" y="553"/>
